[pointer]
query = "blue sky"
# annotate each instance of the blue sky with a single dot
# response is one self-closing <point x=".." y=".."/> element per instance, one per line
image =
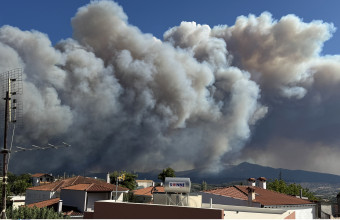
<point x="154" y="16"/>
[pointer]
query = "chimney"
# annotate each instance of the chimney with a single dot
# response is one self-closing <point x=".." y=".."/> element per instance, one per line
<point x="153" y="184"/>
<point x="300" y="193"/>
<point x="262" y="182"/>
<point x="60" y="206"/>
<point x="251" y="181"/>
<point x="108" y="177"/>
<point x="251" y="195"/>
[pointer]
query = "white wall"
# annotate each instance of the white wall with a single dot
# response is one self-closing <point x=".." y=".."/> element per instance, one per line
<point x="224" y="200"/>
<point x="75" y="198"/>
<point x="33" y="196"/>
<point x="171" y="199"/>
<point x="301" y="212"/>
<point x="253" y="215"/>
<point x="18" y="201"/>
<point x="144" y="184"/>
<point x="92" y="197"/>
<point x="120" y="196"/>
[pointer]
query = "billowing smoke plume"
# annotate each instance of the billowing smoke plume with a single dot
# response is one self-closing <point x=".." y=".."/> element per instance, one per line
<point x="127" y="100"/>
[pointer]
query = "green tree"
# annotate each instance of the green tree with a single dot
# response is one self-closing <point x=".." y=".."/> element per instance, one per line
<point x="168" y="172"/>
<point x="129" y="181"/>
<point x="290" y="189"/>
<point x="24" y="212"/>
<point x="18" y="184"/>
<point x="19" y="187"/>
<point x="204" y="186"/>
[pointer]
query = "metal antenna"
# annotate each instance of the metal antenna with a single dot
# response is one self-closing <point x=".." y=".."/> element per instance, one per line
<point x="11" y="87"/>
<point x="35" y="147"/>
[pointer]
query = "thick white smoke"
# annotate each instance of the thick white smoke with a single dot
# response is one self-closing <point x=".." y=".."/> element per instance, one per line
<point x="125" y="99"/>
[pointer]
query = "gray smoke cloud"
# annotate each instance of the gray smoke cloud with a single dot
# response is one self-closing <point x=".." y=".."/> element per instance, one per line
<point x="127" y="100"/>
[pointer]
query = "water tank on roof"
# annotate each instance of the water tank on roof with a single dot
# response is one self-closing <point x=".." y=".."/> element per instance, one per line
<point x="177" y="185"/>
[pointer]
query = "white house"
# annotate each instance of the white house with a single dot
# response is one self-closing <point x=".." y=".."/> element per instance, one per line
<point x="83" y="196"/>
<point x="41" y="178"/>
<point x="144" y="183"/>
<point x="253" y="196"/>
<point x="79" y="192"/>
<point x="145" y="195"/>
<point x="17" y="201"/>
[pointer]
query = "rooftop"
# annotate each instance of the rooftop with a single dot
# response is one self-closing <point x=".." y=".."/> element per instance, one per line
<point x="148" y="191"/>
<point x="58" y="185"/>
<point x="45" y="203"/>
<point x="39" y="174"/>
<point x="93" y="187"/>
<point x="263" y="196"/>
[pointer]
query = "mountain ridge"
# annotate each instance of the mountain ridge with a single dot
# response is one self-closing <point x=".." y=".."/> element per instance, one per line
<point x="245" y="170"/>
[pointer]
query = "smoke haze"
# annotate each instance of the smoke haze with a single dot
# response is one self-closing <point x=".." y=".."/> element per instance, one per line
<point x="199" y="98"/>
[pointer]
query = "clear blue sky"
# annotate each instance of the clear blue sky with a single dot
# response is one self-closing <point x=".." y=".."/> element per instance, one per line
<point x="156" y="16"/>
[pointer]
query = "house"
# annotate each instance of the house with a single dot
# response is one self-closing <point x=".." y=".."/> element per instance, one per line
<point x="17" y="201"/>
<point x="83" y="196"/>
<point x="145" y="195"/>
<point x="77" y="192"/>
<point x="144" y="183"/>
<point x="108" y="209"/>
<point x="51" y="203"/>
<point x="41" y="178"/>
<point x="259" y="196"/>
<point x="57" y="205"/>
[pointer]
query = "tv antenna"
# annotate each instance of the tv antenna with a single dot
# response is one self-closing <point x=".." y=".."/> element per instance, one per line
<point x="11" y="88"/>
<point x="36" y="147"/>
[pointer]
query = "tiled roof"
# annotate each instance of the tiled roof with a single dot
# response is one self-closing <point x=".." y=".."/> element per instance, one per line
<point x="73" y="213"/>
<point x="269" y="197"/>
<point x="38" y="174"/>
<point x="148" y="191"/>
<point x="229" y="192"/>
<point x="81" y="187"/>
<point x="58" y="185"/>
<point x="263" y="196"/>
<point x="45" y="203"/>
<point x="93" y="187"/>
<point x="99" y="188"/>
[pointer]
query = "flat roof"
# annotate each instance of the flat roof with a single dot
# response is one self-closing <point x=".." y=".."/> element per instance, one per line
<point x="244" y="208"/>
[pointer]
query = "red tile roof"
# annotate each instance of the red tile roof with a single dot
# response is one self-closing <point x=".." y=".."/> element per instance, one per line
<point x="148" y="191"/>
<point x="58" y="185"/>
<point x="93" y="187"/>
<point x="45" y="203"/>
<point x="229" y="192"/>
<point x="263" y="196"/>
<point x="38" y="174"/>
<point x="73" y="213"/>
<point x="80" y="187"/>
<point x="269" y="197"/>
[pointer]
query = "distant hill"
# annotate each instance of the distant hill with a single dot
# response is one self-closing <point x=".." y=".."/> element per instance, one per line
<point x="241" y="172"/>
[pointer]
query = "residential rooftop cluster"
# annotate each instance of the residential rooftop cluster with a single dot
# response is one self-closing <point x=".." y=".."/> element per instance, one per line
<point x="85" y="197"/>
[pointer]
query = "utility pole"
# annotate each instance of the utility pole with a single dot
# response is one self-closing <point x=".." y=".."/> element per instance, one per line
<point x="5" y="152"/>
<point x="12" y="85"/>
